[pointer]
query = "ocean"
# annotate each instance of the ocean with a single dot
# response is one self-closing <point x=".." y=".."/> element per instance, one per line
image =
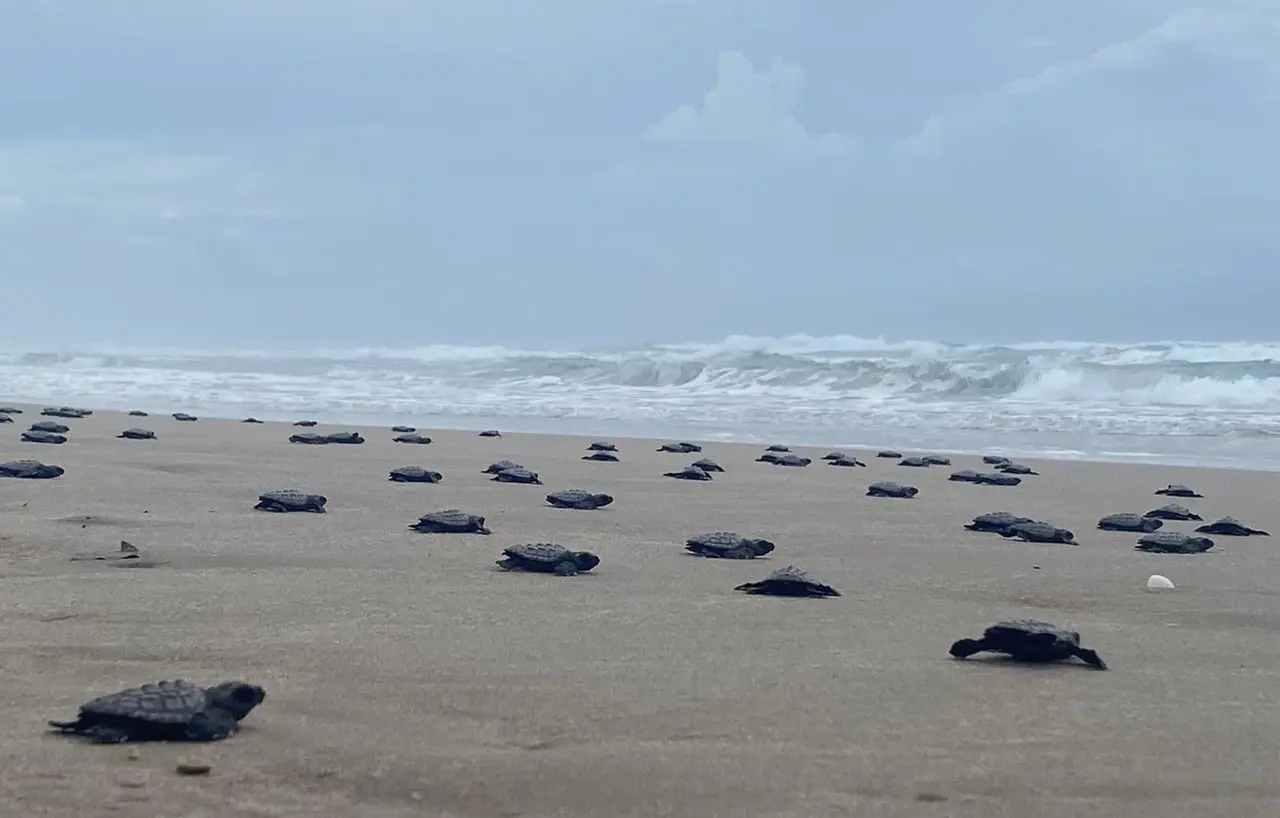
<point x="1170" y="401"/>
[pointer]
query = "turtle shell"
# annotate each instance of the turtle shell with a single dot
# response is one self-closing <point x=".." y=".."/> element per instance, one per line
<point x="603" y="456"/>
<point x="137" y="434"/>
<point x="30" y="469"/>
<point x="49" y="426"/>
<point x="996" y="520"/>
<point x="1010" y="632"/>
<point x="1173" y="542"/>
<point x="917" y="462"/>
<point x="292" y="498"/>
<point x="415" y="474"/>
<point x="37" y="436"/>
<point x="501" y="466"/>
<point x="516" y="476"/>
<point x="1173" y="511"/>
<point x="602" y="446"/>
<point x="309" y="438"/>
<point x="164" y="702"/>
<point x="688" y="473"/>
<point x="707" y="465"/>
<point x="412" y="437"/>
<point x="539" y="552"/>
<point x="1126" y="521"/>
<point x="452" y="518"/>
<point x="789" y="580"/>
<point x="964" y="476"/>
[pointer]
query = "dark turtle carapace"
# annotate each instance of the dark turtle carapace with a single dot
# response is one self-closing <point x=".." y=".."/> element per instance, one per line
<point x="30" y="470"/>
<point x="688" y="473"/>
<point x="789" y="580"/>
<point x="548" y="558"/>
<point x="1178" y="490"/>
<point x="1173" y="511"/>
<point x="1039" y="532"/>
<point x="996" y="521"/>
<point x="1029" y="640"/>
<point x="579" y="499"/>
<point x="412" y="437"/>
<point x="517" y="476"/>
<point x="1173" y="542"/>
<point x="887" y="488"/>
<point x="291" y="500"/>
<point x="137" y="434"/>
<point x="414" y="474"/>
<point x="1231" y="527"/>
<point x="683" y="447"/>
<point x="450" y="521"/>
<point x="1126" y="521"/>
<point x="727" y="545"/>
<point x="165" y="711"/>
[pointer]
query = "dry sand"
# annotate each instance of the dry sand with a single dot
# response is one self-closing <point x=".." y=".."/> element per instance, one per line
<point x="406" y="675"/>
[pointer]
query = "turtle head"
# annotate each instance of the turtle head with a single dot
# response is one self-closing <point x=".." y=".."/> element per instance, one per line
<point x="236" y="698"/>
<point x="585" y="560"/>
<point x="603" y="499"/>
<point x="761" y="547"/>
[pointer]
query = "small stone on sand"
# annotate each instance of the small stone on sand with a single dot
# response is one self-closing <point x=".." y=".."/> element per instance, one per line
<point x="1156" y="582"/>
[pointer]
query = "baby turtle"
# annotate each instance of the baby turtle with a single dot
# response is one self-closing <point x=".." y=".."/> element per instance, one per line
<point x="915" y="462"/>
<point x="412" y="437"/>
<point x="450" y="521"/>
<point x="30" y="470"/>
<point x="137" y="434"/>
<point x="1015" y="468"/>
<point x="683" y="447"/>
<point x="1039" y="532"/>
<point x="165" y="711"/>
<point x="183" y="416"/>
<point x="727" y="545"/>
<point x="408" y="430"/>
<point x="708" y="465"/>
<point x="490" y="433"/>
<point x="1126" y="521"/>
<point x="306" y="423"/>
<point x="414" y="474"/>
<point x="1173" y="542"/>
<point x="792" y="460"/>
<point x="1173" y="511"/>
<point x="937" y="460"/>
<point x="547" y="558"/>
<point x="501" y="466"/>
<point x="688" y="473"/>
<point x="603" y="457"/>
<point x="996" y="479"/>
<point x="309" y="439"/>
<point x="283" y="500"/>
<point x="994" y="459"/>
<point x="37" y="436"/>
<point x="996" y="521"/>
<point x="10" y="410"/>
<point x="49" y="426"/>
<point x="849" y="461"/>
<point x="1178" y="490"/>
<point x="579" y="499"/>
<point x="350" y="438"/>
<point x="1231" y="527"/>
<point x="63" y="412"/>
<point x="886" y="488"/>
<point x="835" y="456"/>
<point x="602" y="446"/>
<point x="252" y="420"/>
<point x="964" y="476"/>
<point x="137" y="413"/>
<point x="777" y="448"/>
<point x="889" y="454"/>
<point x="517" y="476"/>
<point x="788" y="580"/>
<point x="1029" y="640"/>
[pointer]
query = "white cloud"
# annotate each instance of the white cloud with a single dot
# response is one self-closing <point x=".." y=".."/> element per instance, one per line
<point x="1212" y="32"/>
<point x="750" y="107"/>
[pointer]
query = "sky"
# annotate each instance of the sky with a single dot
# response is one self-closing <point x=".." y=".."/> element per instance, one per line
<point x="281" y="172"/>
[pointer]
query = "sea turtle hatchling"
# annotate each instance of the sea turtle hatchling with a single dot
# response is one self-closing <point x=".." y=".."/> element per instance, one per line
<point x="848" y="462"/>
<point x="414" y="474"/>
<point x="348" y="438"/>
<point x="1173" y="511"/>
<point x="727" y="545"/>
<point x="996" y="479"/>
<point x="964" y="476"/>
<point x="683" y="447"/>
<point x="887" y="488"/>
<point x="889" y="454"/>
<point x="137" y="434"/>
<point x="688" y="473"/>
<point x="1028" y="640"/>
<point x="1015" y="468"/>
<point x="915" y="462"/>
<point x="835" y="456"/>
<point x="994" y="459"/>
<point x="450" y="521"/>
<point x="412" y="437"/>
<point x="501" y="466"/>
<point x="517" y="476"/>
<point x="408" y="430"/>
<point x="51" y="426"/>
<point x="937" y="460"/>
<point x="602" y="446"/>
<point x="1231" y="527"/>
<point x="579" y="499"/>
<point x="603" y="457"/>
<point x="10" y="410"/>
<point x="1039" y="532"/>
<point x="789" y="580"/>
<point x="1125" y="521"/>
<point x="137" y="413"/>
<point x="490" y="433"/>
<point x="165" y="711"/>
<point x="184" y="417"/>
<point x="1178" y="490"/>
<point x="708" y="465"/>
<point x="30" y="470"/>
<point x="996" y="521"/>
<point x="309" y="439"/>
<point x="287" y="500"/>
<point x="252" y="420"/>
<point x="37" y="436"/>
<point x="777" y="448"/>
<point x="1173" y="542"/>
<point x="792" y="460"/>
<point x="547" y="558"/>
<point x="305" y="423"/>
<point x="64" y="412"/>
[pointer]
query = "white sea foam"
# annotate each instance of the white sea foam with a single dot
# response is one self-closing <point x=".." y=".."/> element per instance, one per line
<point x="825" y="388"/>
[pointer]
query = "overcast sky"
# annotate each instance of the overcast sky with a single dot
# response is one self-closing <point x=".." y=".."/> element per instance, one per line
<point x="604" y="171"/>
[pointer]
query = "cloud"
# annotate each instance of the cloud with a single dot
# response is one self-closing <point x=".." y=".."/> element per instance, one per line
<point x="1193" y="26"/>
<point x="747" y="107"/>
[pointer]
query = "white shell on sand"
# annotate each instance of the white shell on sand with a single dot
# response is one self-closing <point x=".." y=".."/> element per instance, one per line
<point x="1156" y="582"/>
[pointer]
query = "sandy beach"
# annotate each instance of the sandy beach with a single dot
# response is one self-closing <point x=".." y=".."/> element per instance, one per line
<point x="407" y="675"/>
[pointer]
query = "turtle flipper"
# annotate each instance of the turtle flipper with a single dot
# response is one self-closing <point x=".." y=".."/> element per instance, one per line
<point x="566" y="569"/>
<point x="1090" y="657"/>
<point x="964" y="648"/>
<point x="69" y="726"/>
<point x="506" y="564"/>
<point x="211" y="725"/>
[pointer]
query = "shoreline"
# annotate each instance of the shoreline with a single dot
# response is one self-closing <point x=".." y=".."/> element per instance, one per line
<point x="594" y="428"/>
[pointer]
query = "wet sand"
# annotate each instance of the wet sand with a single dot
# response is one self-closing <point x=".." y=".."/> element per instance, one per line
<point x="407" y="675"/>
